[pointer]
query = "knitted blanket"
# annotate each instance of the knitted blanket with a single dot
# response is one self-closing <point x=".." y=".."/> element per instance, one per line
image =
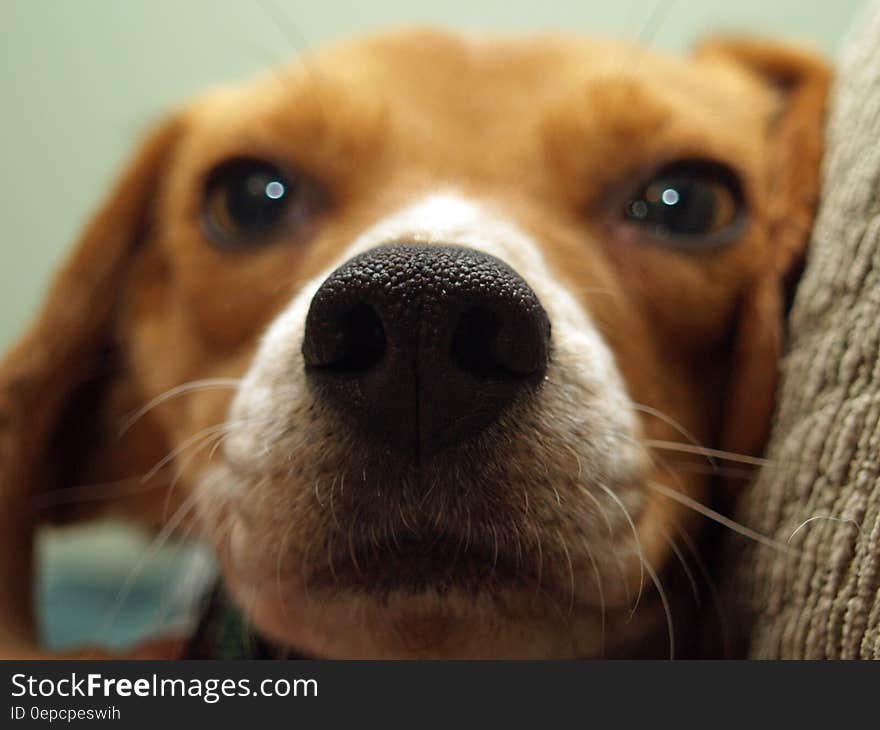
<point x="817" y="594"/>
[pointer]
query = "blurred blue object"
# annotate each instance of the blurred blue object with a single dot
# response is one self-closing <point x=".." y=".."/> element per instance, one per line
<point x="105" y="585"/>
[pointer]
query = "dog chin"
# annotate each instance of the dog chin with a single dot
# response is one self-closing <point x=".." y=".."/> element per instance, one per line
<point x="424" y="624"/>
<point x="423" y="598"/>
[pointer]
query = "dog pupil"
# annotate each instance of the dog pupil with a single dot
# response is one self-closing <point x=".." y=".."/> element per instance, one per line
<point x="675" y="206"/>
<point x="257" y="199"/>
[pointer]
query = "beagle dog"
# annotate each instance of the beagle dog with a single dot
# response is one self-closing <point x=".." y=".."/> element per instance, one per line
<point x="422" y="333"/>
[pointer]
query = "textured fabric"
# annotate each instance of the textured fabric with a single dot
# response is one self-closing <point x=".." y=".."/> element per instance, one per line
<point x="818" y="594"/>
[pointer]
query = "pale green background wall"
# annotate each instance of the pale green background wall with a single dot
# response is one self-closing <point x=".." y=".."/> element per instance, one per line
<point x="80" y="79"/>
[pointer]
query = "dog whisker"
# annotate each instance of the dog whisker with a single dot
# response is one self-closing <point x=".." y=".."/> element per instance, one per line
<point x="284" y="26"/>
<point x="181" y="466"/>
<point x="279" y="568"/>
<point x="193" y="386"/>
<point x="683" y="535"/>
<point x="333" y="516"/>
<point x="307" y="550"/>
<point x="331" y="566"/>
<point x="720" y="471"/>
<point x="197" y="437"/>
<point x="638" y="543"/>
<point x="518" y="552"/>
<point x="664" y="599"/>
<point x="673" y="545"/>
<point x="94" y="492"/>
<point x="539" y="577"/>
<point x="705" y="574"/>
<point x="831" y="518"/>
<point x="404" y="520"/>
<point x="196" y="573"/>
<point x="654" y="22"/>
<point x="351" y="547"/>
<point x="151" y="551"/>
<point x="718" y="517"/>
<point x="707" y="452"/>
<point x="118" y="488"/>
<point x="220" y="441"/>
<point x="703" y="569"/>
<point x="248" y="629"/>
<point x="570" y="567"/>
<point x="495" y="549"/>
<point x="669" y="421"/>
<point x="199" y="441"/>
<point x="603" y="513"/>
<point x="297" y="41"/>
<point x="224" y="528"/>
<point x="600" y="589"/>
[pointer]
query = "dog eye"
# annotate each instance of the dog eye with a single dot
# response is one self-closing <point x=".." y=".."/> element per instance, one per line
<point x="689" y="204"/>
<point x="247" y="202"/>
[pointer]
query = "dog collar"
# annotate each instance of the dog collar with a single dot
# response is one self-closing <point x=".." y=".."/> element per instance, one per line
<point x="223" y="633"/>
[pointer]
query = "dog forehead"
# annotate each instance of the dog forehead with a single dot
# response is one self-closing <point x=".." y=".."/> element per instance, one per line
<point x="474" y="78"/>
<point x="420" y="61"/>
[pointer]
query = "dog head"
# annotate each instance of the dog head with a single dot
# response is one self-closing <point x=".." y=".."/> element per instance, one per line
<point x="404" y="330"/>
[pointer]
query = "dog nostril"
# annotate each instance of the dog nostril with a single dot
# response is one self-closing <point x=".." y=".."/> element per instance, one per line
<point x="475" y="344"/>
<point x="345" y="339"/>
<point x="363" y="339"/>
<point x="492" y="344"/>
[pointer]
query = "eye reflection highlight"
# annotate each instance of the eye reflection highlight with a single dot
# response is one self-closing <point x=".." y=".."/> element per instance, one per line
<point x="670" y="196"/>
<point x="274" y="190"/>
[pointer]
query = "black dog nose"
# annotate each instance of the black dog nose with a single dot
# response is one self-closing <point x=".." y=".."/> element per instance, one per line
<point x="421" y="347"/>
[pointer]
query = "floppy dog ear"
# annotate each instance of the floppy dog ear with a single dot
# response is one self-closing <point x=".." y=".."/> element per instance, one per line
<point x="795" y="148"/>
<point x="44" y="369"/>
